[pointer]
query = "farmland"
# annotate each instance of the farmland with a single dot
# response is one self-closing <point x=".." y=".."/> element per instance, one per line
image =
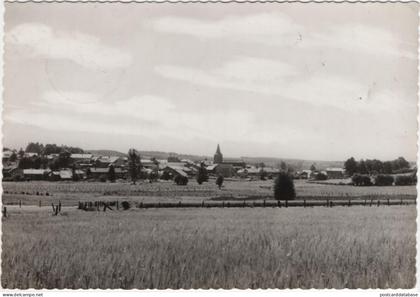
<point x="354" y="247"/>
<point x="313" y="247"/>
<point x="69" y="193"/>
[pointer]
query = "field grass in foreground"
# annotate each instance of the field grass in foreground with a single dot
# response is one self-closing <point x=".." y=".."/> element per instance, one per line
<point x="355" y="247"/>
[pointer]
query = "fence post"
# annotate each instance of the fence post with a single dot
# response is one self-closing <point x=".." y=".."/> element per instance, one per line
<point x="379" y="202"/>
<point x="279" y="203"/>
<point x="331" y="204"/>
<point x="349" y="202"/>
<point x="388" y="202"/>
<point x="59" y="206"/>
<point x="287" y="203"/>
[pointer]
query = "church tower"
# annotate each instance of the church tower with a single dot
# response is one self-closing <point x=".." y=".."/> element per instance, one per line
<point x="218" y="157"/>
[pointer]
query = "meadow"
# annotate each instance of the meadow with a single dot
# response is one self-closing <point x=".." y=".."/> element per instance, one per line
<point x="69" y="193"/>
<point x="357" y="247"/>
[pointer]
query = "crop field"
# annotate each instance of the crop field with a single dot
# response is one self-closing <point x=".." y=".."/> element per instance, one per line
<point x="355" y="247"/>
<point x="69" y="193"/>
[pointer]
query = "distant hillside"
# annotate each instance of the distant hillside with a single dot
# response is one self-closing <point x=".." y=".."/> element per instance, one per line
<point x="297" y="164"/>
<point x="106" y="153"/>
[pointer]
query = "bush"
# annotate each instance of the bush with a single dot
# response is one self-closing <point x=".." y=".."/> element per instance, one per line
<point x="125" y="205"/>
<point x="361" y="180"/>
<point x="384" y="180"/>
<point x="284" y="188"/>
<point x="321" y="176"/>
<point x="103" y="178"/>
<point x="181" y="180"/>
<point x="219" y="181"/>
<point x="404" y="180"/>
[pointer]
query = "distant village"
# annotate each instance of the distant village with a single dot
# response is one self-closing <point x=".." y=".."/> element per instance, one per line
<point x="66" y="163"/>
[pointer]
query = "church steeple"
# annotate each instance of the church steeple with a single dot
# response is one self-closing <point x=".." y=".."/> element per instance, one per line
<point x="218" y="156"/>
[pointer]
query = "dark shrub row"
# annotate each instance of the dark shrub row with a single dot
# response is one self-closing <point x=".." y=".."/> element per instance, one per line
<point x="181" y="180"/>
<point x="361" y="180"/>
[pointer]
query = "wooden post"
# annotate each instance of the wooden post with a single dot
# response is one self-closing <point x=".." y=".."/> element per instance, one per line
<point x="287" y="203"/>
<point x="388" y="201"/>
<point x="59" y="206"/>
<point x="279" y="203"/>
<point x="349" y="202"/>
<point x="379" y="202"/>
<point x="331" y="204"/>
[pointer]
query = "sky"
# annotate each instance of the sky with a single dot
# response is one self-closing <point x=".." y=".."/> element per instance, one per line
<point x="310" y="81"/>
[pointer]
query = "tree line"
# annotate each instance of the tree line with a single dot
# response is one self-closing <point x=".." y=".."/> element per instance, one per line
<point x="375" y="166"/>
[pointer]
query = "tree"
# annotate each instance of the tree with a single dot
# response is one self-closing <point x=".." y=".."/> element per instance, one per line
<point x="111" y="173"/>
<point x="284" y="188"/>
<point x="263" y="174"/>
<point x="350" y="166"/>
<point x="13" y="157"/>
<point x="202" y="174"/>
<point x="219" y="181"/>
<point x="362" y="168"/>
<point x="283" y="166"/>
<point x="313" y="168"/>
<point x="133" y="164"/>
<point x="74" y="175"/>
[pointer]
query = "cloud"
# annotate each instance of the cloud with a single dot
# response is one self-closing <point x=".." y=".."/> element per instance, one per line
<point x="83" y="49"/>
<point x="78" y="111"/>
<point x="279" y="30"/>
<point x="279" y="79"/>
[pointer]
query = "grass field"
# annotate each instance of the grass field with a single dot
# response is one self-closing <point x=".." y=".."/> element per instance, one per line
<point x="70" y="193"/>
<point x="355" y="247"/>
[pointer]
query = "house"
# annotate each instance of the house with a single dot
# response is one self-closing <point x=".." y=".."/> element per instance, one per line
<point x="35" y="174"/>
<point x="10" y="171"/>
<point x="304" y="174"/>
<point x="335" y="173"/>
<point x="96" y="173"/>
<point x="170" y="171"/>
<point x="105" y="161"/>
<point x="81" y="158"/>
<point x="225" y="170"/>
